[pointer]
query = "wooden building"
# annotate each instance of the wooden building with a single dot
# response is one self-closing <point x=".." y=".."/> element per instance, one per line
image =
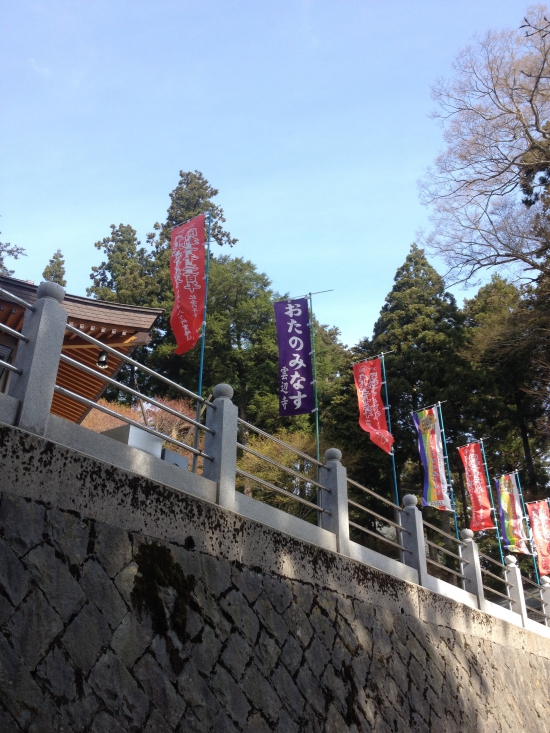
<point x="123" y="327"/>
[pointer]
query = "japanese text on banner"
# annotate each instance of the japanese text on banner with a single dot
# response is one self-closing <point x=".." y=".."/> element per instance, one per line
<point x="372" y="413"/>
<point x="187" y="273"/>
<point x="539" y="515"/>
<point x="296" y="389"/>
<point x="472" y="458"/>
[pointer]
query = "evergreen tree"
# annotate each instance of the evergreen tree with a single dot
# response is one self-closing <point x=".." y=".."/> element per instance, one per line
<point x="9" y="250"/>
<point x="55" y="269"/>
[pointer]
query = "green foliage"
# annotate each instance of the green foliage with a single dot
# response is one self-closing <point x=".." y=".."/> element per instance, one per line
<point x="9" y="250"/>
<point x="55" y="270"/>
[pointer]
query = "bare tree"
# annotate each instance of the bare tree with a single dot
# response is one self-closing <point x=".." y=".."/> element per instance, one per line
<point x="489" y="188"/>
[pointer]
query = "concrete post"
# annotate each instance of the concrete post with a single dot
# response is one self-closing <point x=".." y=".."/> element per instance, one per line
<point x="512" y="575"/>
<point x="222" y="445"/>
<point x="39" y="358"/>
<point x="413" y="537"/>
<point x="471" y="566"/>
<point x="545" y="597"/>
<point x="334" y="476"/>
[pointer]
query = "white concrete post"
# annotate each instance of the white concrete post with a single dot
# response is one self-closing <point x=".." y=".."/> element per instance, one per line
<point x="222" y="445"/>
<point x="413" y="537"/>
<point x="512" y="575"/>
<point x="334" y="476"/>
<point x="471" y="566"/>
<point x="545" y="597"/>
<point x="38" y="358"/>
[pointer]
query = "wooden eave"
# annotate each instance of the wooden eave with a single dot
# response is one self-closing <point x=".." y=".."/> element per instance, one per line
<point x="123" y="327"/>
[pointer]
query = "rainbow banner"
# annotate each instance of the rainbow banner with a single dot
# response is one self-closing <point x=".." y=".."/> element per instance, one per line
<point x="430" y="446"/>
<point x="511" y="515"/>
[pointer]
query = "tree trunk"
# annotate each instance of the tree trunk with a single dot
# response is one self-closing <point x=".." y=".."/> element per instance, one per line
<point x="532" y="481"/>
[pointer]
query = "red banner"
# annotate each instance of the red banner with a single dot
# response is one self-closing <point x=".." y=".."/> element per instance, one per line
<point x="187" y="272"/>
<point x="472" y="459"/>
<point x="372" y="415"/>
<point x="539" y="516"/>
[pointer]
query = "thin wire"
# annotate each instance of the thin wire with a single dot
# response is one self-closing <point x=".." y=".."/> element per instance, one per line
<point x="448" y="467"/>
<point x="315" y="394"/>
<point x="497" y="518"/>
<point x="528" y="523"/>
<point x="392" y="454"/>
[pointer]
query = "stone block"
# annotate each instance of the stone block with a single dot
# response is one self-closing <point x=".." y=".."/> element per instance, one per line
<point x="317" y="657"/>
<point x="86" y="637"/>
<point x="80" y="712"/>
<point x="291" y="655"/>
<point x="243" y="617"/>
<point x="6" y="610"/>
<point x="157" y="724"/>
<point x="278" y="592"/>
<point x="222" y="724"/>
<point x="257" y="724"/>
<point x="7" y="723"/>
<point x="69" y="534"/>
<point x="286" y="724"/>
<point x="121" y="695"/>
<point x="124" y="581"/>
<point x="33" y="627"/>
<point x="101" y="591"/>
<point x="299" y="625"/>
<point x="323" y="627"/>
<point x="198" y="697"/>
<point x="229" y="695"/>
<point x="261" y="694"/>
<point x="104" y="723"/>
<point x="311" y="690"/>
<point x="159" y="689"/>
<point x="206" y="651"/>
<point x="287" y="691"/>
<point x="18" y="691"/>
<point x="266" y="653"/>
<point x="112" y="547"/>
<point x="130" y="640"/>
<point x="271" y="619"/>
<point x="248" y="582"/>
<point x="57" y="674"/>
<point x="236" y="655"/>
<point x="22" y="522"/>
<point x="54" y="578"/>
<point x="14" y="579"/>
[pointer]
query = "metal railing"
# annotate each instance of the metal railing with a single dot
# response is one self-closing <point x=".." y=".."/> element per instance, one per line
<point x="494" y="595"/>
<point x="303" y="484"/>
<point x="11" y="331"/>
<point x="96" y="373"/>
<point x="380" y="526"/>
<point x="435" y="548"/>
<point x="534" y="604"/>
<point x="14" y="299"/>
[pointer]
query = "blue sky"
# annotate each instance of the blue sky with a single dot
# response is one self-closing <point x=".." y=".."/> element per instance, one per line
<point x="309" y="116"/>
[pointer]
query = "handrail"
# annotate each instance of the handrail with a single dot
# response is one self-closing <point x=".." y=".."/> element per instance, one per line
<point x="279" y="490"/>
<point x="448" y="552"/>
<point x="495" y="562"/>
<point x="379" y="536"/>
<point x="448" y="570"/>
<point x="10" y="367"/>
<point x="492" y="575"/>
<point x="101" y="408"/>
<point x="498" y="593"/>
<point x="437" y="529"/>
<point x="373" y="493"/>
<point x="15" y="299"/>
<point x="13" y="332"/>
<point x="134" y="392"/>
<point x="378" y="516"/>
<point x="280" y="465"/>
<point x="280" y="442"/>
<point x="128" y="360"/>
<point x="528" y="580"/>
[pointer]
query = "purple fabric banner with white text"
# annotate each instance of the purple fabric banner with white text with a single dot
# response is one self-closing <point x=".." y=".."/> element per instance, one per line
<point x="296" y="393"/>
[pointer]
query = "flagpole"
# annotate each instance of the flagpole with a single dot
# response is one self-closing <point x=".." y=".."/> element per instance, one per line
<point x="446" y="454"/>
<point x="497" y="518"/>
<point x="528" y="523"/>
<point x="392" y="454"/>
<point x="203" y="338"/>
<point x="314" y="361"/>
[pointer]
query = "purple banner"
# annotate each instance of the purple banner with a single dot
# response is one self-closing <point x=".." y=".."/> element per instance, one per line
<point x="296" y="394"/>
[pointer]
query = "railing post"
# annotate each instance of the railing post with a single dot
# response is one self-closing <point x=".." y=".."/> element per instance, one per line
<point x="38" y="358"/>
<point x="471" y="566"/>
<point x="413" y="537"/>
<point x="222" y="445"/>
<point x="512" y="575"/>
<point x="334" y="476"/>
<point x="545" y="597"/>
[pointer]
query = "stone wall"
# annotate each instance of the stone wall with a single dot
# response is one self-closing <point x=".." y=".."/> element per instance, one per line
<point x="127" y="606"/>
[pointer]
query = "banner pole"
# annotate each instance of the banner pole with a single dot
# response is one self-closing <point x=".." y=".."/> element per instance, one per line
<point x="497" y="518"/>
<point x="528" y="523"/>
<point x="314" y="360"/>
<point x="392" y="454"/>
<point x="203" y="338"/>
<point x="446" y="454"/>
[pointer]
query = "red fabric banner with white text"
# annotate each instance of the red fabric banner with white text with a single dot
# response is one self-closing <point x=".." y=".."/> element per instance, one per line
<point x="187" y="272"/>
<point x="539" y="516"/>
<point x="372" y="414"/>
<point x="472" y="458"/>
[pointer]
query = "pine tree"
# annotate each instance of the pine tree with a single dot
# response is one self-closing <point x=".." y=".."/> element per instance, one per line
<point x="55" y="269"/>
<point x="9" y="250"/>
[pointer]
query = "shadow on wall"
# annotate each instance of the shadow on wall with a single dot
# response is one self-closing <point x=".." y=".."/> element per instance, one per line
<point x="92" y="640"/>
